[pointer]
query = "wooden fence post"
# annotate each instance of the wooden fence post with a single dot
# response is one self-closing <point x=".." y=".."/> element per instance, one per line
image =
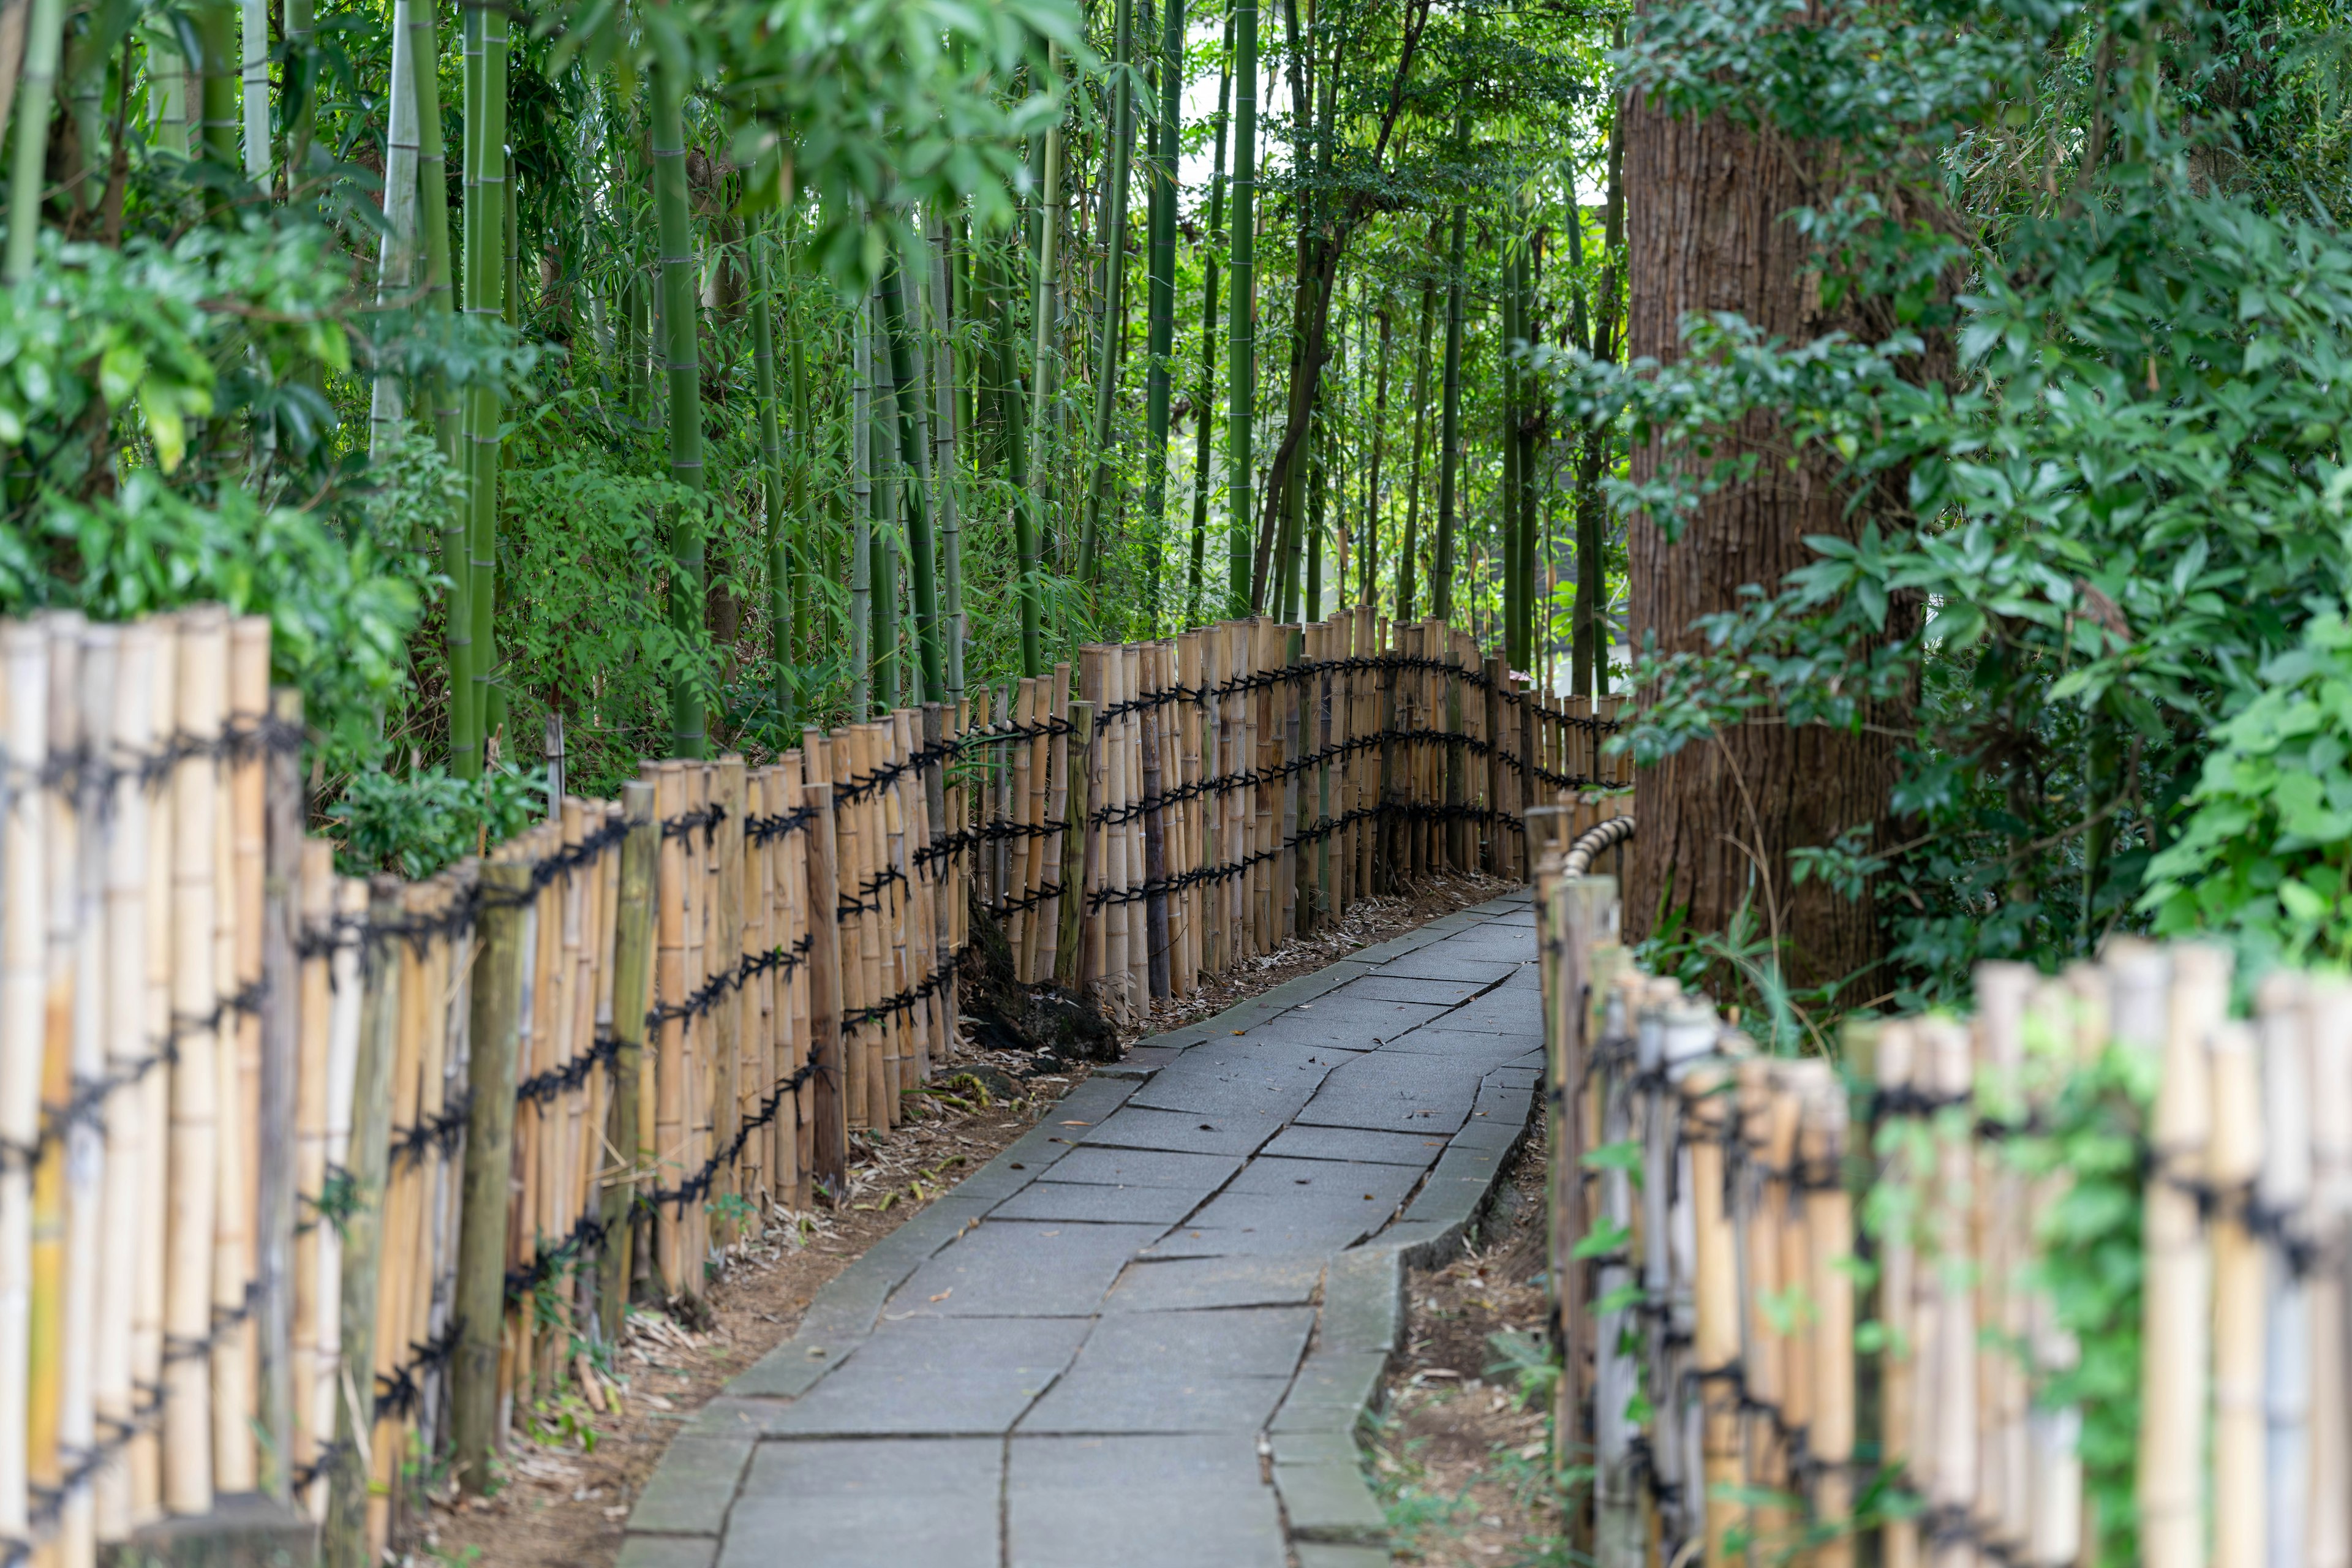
<point x="632" y="975"/>
<point x="489" y="1161"/>
<point x="829" y="1156"/>
<point x="1069" y="970"/>
<point x="369" y="1155"/>
<point x="1155" y="842"/>
<point x="280" y="1019"/>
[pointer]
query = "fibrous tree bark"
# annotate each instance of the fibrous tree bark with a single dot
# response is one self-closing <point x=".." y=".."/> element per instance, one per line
<point x="1706" y="232"/>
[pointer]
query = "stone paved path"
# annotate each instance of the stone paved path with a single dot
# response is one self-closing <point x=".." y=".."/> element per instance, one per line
<point x="1143" y="1336"/>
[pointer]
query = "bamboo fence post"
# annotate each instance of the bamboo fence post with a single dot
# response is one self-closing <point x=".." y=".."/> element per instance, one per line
<point x="2004" y="1253"/>
<point x="879" y="1037"/>
<point x="2177" y="1331"/>
<point x="729" y="793"/>
<point x="2233" y="1161"/>
<point x="1019" y="925"/>
<point x="1828" y="1221"/>
<point x="344" y="1543"/>
<point x="1762" y="1147"/>
<point x="633" y="973"/>
<point x="59" y="914"/>
<point x="2283" y="1190"/>
<point x="1136" y="983"/>
<point x="829" y="1151"/>
<point x="669" y="1035"/>
<point x="2327" y="1528"/>
<point x="1185" y="969"/>
<point x="1898" y="1075"/>
<point x="24" y="986"/>
<point x="278" y="1024"/>
<point x="758" y="986"/>
<point x="489" y="1162"/>
<point x="1078" y="874"/>
<point x="1715" y="1347"/>
<point x="401" y="1230"/>
<point x="1051" y="849"/>
<point x="1155" y="841"/>
<point x="312" y="1371"/>
<point x="188" y="1424"/>
<point x="1950" y="1386"/>
<point x="792" y="894"/>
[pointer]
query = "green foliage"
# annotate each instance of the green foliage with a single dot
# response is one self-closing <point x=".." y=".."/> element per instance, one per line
<point x="2266" y="851"/>
<point x="414" y="824"/>
<point x="2092" y="443"/>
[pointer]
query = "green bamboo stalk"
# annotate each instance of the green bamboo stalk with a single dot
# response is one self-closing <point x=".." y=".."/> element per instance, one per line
<point x="1369" y="592"/>
<point x="1028" y="517"/>
<point x="914" y="466"/>
<point x="1449" y="438"/>
<point x="433" y="227"/>
<point x="948" y="418"/>
<point x="681" y="360"/>
<point x="300" y="23"/>
<point x="1408" y="559"/>
<point x="1317" y="493"/>
<point x="33" y="98"/>
<point x="1515" y="595"/>
<point x="1241" y="329"/>
<point x="1523" y="437"/>
<point x="1121" y="156"/>
<point x="1199" y="566"/>
<point x="485" y="288"/>
<point x="771" y="476"/>
<point x="396" y="251"/>
<point x="1158" y="375"/>
<point x="888" y="466"/>
<point x="805" y="443"/>
<point x="254" y="80"/>
<point x="861" y="468"/>
<point x="488" y="1173"/>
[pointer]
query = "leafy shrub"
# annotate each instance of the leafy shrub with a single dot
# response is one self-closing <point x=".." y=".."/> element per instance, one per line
<point x="415" y="824"/>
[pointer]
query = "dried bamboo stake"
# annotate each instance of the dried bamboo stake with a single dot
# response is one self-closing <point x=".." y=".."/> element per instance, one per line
<point x="2178" y="1324"/>
<point x="795" y="1138"/>
<point x="2328" y="1535"/>
<point x="1896" y="1074"/>
<point x="876" y="938"/>
<point x="1949" y="1386"/>
<point x="188" y="1424"/>
<point x="314" y="1024"/>
<point x="2004" y="1254"/>
<point x="60" y="913"/>
<point x="1153" y="835"/>
<point x="670" y="1065"/>
<point x="344" y="1543"/>
<point x="829" y="1108"/>
<point x="726" y="1034"/>
<point x="2233" y="1160"/>
<point x="236" y="1270"/>
<point x="482" y="1242"/>
<point x="1828" y="1224"/>
<point x="1767" y="1127"/>
<point x="24" y="985"/>
<point x="2284" y="1190"/>
<point x="632" y="992"/>
<point x="1056" y="752"/>
<point x="900" y="965"/>
<point x="2071" y="1017"/>
<point x="1716" y="1282"/>
<point x="402" y="1229"/>
<point x="344" y="968"/>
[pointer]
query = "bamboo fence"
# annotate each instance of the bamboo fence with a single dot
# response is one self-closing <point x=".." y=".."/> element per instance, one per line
<point x="315" y="1186"/>
<point x="1725" y="1222"/>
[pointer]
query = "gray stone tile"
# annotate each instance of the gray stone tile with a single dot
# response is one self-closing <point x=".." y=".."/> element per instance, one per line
<point x="1509" y="1009"/>
<point x="1330" y="1502"/>
<point x="938" y="1376"/>
<point x="1397" y="1091"/>
<point x="1434" y="964"/>
<point x="1148" y="1399"/>
<point x="689" y="1491"/>
<point x="1380" y="986"/>
<point x="1484" y="1132"/>
<point x="1202" y="1174"/>
<point x="1177" y="1372"/>
<point x="1139" y="1503"/>
<point x="1184" y="1132"/>
<point x="1274" y="1080"/>
<point x="1299" y="1141"/>
<point x="1247" y="1341"/>
<point x="667" y="1551"/>
<point x="1192" y="1283"/>
<point x="1094" y="1203"/>
<point x="1340" y="1023"/>
<point x="1324" y="1181"/>
<point x="1321" y="1555"/>
<point x="1363" y="1302"/>
<point x="1487" y="1051"/>
<point x="1332" y="1392"/>
<point x="1021" y="1267"/>
<point x="932" y="1501"/>
<point x="1313" y="1448"/>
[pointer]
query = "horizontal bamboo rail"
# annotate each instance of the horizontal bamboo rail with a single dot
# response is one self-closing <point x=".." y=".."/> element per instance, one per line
<point x="1712" y="1206"/>
<point x="304" y="1175"/>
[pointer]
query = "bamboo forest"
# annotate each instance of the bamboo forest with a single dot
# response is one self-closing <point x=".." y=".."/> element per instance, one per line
<point x="1175" y="784"/>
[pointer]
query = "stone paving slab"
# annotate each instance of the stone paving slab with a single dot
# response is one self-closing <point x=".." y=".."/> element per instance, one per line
<point x="1192" y="1284"/>
<point x="1021" y="1269"/>
<point x="1147" y="1331"/>
<point x="937" y="1376"/>
<point x="1139" y="1503"/>
<point x="856" y="1504"/>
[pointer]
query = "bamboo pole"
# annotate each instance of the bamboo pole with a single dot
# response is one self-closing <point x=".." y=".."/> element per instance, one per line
<point x="829" y="1151"/>
<point x="2328" y="1529"/>
<point x="1901" y="1362"/>
<point x="309" y="1373"/>
<point x="2241" y="1283"/>
<point x="1829" y="1224"/>
<point x="1076" y="870"/>
<point x="344" y="1543"/>
<point x="490" y="1159"/>
<point x="2177" y="1329"/>
<point x="632" y="975"/>
<point x="1715" y="1347"/>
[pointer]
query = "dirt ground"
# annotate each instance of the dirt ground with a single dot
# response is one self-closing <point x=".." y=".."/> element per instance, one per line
<point x="567" y="1487"/>
<point x="1458" y="1455"/>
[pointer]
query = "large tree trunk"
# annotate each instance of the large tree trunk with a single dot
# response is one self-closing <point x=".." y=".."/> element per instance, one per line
<point x="1706" y="232"/>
